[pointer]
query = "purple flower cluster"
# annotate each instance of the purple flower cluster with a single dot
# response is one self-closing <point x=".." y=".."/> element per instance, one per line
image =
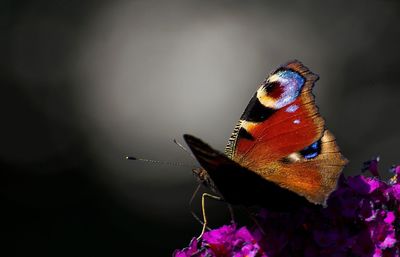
<point x="224" y="241"/>
<point x="362" y="218"/>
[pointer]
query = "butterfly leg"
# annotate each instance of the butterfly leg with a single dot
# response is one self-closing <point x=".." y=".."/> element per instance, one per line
<point x="231" y="212"/>
<point x="254" y="219"/>
<point x="203" y="207"/>
<point x="191" y="208"/>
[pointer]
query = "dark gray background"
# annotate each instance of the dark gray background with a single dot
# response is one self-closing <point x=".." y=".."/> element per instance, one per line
<point x="84" y="83"/>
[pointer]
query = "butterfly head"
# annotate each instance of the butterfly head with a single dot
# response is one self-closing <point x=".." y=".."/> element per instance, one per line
<point x="201" y="175"/>
<point x="204" y="178"/>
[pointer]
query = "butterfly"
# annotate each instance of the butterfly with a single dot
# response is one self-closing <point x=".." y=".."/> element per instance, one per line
<point x="280" y="155"/>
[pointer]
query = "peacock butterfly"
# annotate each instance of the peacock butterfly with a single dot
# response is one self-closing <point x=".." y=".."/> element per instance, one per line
<point x="280" y="155"/>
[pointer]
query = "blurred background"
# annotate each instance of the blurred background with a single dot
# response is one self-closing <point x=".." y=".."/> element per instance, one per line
<point x="85" y="83"/>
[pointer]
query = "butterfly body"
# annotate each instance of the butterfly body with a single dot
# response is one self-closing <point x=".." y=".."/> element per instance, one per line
<point x="280" y="152"/>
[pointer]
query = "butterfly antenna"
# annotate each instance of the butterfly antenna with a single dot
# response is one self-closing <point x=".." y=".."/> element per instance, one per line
<point x="184" y="149"/>
<point x="132" y="158"/>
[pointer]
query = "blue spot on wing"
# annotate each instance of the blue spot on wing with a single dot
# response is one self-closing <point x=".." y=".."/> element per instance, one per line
<point x="311" y="151"/>
<point x="311" y="156"/>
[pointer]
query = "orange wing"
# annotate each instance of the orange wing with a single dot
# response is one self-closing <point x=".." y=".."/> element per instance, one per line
<point x="282" y="137"/>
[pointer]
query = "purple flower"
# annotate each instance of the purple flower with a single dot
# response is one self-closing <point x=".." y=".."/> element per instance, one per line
<point x="191" y="250"/>
<point x="363" y="185"/>
<point x="396" y="171"/>
<point x="362" y="218"/>
<point x="224" y="241"/>
<point x="394" y="192"/>
<point x="372" y="166"/>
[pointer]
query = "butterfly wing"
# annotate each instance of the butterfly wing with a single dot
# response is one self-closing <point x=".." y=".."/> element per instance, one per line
<point x="282" y="137"/>
<point x="239" y="185"/>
